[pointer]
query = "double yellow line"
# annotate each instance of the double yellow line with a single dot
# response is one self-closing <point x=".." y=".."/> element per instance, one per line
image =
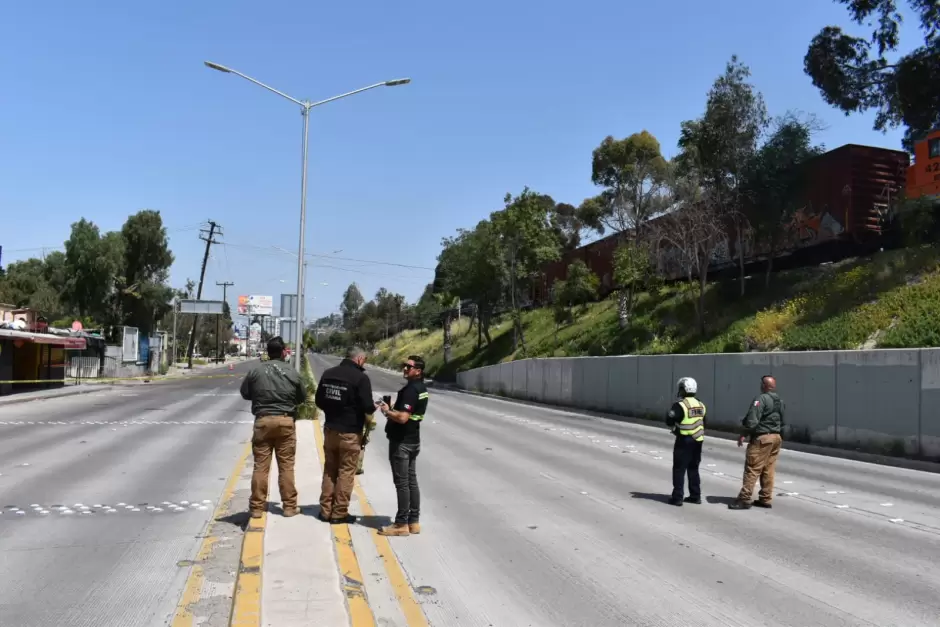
<point x="359" y="611"/>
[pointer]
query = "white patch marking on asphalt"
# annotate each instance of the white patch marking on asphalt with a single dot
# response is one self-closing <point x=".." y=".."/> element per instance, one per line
<point x="842" y="506"/>
<point x="887" y="504"/>
<point x="897" y="520"/>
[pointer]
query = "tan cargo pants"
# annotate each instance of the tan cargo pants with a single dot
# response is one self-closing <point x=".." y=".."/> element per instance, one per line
<point x="277" y="433"/>
<point x="761" y="463"/>
<point x="341" y="453"/>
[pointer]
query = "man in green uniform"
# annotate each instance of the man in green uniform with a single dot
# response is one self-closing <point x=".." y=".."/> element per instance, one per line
<point x="763" y="425"/>
<point x="686" y="417"/>
<point x="276" y="391"/>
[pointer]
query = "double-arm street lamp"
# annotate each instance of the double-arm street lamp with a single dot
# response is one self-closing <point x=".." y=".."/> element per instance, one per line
<point x="305" y="106"/>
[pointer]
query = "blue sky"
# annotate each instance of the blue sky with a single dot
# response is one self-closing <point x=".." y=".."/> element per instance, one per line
<point x="107" y="109"/>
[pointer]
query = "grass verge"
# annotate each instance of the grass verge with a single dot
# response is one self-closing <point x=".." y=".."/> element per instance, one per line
<point x="887" y="300"/>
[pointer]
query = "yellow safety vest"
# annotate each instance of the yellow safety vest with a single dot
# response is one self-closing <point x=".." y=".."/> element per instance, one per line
<point x="693" y="418"/>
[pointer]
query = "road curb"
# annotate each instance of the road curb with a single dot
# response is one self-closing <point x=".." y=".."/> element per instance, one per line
<point x="246" y="602"/>
<point x="82" y="390"/>
<point x="192" y="591"/>
<point x="814" y="449"/>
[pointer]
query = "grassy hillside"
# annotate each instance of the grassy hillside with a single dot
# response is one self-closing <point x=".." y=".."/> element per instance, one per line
<point x="888" y="300"/>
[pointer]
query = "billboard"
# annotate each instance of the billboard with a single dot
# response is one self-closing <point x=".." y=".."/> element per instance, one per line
<point x="255" y="305"/>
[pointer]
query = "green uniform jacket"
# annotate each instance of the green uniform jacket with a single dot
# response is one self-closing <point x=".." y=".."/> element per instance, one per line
<point x="274" y="389"/>
<point x="765" y="415"/>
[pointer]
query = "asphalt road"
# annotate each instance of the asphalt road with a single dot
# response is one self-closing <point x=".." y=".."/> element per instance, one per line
<point x="106" y="495"/>
<point x="535" y="516"/>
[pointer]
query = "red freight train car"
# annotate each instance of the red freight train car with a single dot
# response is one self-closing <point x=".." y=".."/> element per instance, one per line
<point x="849" y="192"/>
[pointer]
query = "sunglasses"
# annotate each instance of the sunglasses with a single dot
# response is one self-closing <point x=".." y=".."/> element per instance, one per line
<point x="408" y="366"/>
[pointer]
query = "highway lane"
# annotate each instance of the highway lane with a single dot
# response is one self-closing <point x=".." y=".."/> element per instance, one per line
<point x="536" y="516"/>
<point x="105" y="495"/>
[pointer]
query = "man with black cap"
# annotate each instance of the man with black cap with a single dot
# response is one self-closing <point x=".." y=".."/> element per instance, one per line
<point x="276" y="391"/>
<point x="345" y="396"/>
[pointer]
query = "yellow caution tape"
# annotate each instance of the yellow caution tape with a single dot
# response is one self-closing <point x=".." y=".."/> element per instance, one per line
<point x="152" y="379"/>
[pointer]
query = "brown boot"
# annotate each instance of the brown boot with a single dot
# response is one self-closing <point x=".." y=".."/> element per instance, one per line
<point x="257" y="514"/>
<point x="291" y="511"/>
<point x="398" y="529"/>
<point x="414" y="528"/>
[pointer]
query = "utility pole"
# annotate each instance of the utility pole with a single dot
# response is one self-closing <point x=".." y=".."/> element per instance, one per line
<point x="208" y="239"/>
<point x="218" y="326"/>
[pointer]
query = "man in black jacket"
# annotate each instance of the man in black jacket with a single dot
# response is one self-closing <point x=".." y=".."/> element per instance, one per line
<point x="404" y="443"/>
<point x="345" y="396"/>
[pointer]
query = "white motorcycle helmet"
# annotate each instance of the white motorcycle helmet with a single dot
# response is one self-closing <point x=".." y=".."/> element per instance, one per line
<point x="687" y="385"/>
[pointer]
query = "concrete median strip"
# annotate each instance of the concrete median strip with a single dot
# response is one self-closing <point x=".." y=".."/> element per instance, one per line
<point x="312" y="572"/>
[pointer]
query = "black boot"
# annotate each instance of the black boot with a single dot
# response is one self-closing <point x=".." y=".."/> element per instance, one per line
<point x="697" y="500"/>
<point x="675" y="500"/>
<point x="736" y="504"/>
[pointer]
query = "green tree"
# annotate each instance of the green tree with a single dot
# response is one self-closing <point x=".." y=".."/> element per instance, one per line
<point x="633" y="271"/>
<point x="472" y="266"/>
<point x="92" y="261"/>
<point x="579" y="288"/>
<point x="352" y="303"/>
<point x="856" y="75"/>
<point x="633" y="173"/>
<point x="634" y="176"/>
<point x="144" y="295"/>
<point x="777" y="180"/>
<point x="528" y="241"/>
<point x="446" y="303"/>
<point x="720" y="146"/>
<point x="567" y="224"/>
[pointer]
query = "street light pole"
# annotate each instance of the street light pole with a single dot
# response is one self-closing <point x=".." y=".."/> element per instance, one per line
<point x="305" y="105"/>
<point x="301" y="266"/>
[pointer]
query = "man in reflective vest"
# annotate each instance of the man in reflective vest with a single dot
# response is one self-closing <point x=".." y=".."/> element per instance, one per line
<point x="686" y="417"/>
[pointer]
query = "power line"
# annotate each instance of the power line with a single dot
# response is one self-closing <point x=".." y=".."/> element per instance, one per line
<point x="61" y="247"/>
<point x="269" y="250"/>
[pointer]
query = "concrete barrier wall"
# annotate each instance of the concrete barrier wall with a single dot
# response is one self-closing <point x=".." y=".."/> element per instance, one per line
<point x="885" y="401"/>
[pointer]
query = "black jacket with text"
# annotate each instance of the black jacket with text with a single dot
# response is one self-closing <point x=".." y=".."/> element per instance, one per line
<point x="344" y="393"/>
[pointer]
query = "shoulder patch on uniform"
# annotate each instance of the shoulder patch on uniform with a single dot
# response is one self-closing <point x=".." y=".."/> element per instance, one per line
<point x="757" y="403"/>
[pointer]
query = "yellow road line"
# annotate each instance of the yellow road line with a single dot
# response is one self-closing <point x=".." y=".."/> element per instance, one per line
<point x="360" y="613"/>
<point x="414" y="615"/>
<point x="410" y="608"/>
<point x="192" y="592"/>
<point x="246" y="603"/>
